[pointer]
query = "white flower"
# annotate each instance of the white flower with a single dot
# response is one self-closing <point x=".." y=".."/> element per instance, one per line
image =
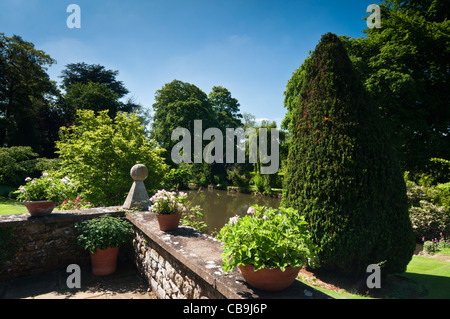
<point x="234" y="220"/>
<point x="251" y="210"/>
<point x="28" y="179"/>
<point x="45" y="174"/>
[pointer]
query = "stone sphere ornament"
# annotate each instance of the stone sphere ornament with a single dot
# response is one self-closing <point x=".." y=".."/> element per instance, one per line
<point x="139" y="172"/>
<point x="138" y="197"/>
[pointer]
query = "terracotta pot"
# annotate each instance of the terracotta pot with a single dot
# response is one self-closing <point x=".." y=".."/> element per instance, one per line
<point x="104" y="261"/>
<point x="168" y="222"/>
<point x="269" y="279"/>
<point x="40" y="208"/>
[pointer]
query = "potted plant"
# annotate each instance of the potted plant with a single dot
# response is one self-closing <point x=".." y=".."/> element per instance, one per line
<point x="41" y="195"/>
<point x="268" y="246"/>
<point x="102" y="237"/>
<point x="168" y="206"/>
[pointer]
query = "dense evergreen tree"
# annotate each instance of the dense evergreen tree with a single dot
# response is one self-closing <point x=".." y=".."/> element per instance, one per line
<point x="26" y="96"/>
<point x="84" y="73"/>
<point x="405" y="66"/>
<point x="93" y="87"/>
<point x="342" y="171"/>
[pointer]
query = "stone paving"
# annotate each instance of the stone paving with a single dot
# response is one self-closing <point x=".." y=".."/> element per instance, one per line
<point x="123" y="284"/>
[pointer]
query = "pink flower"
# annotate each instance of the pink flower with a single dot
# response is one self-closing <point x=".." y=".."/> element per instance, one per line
<point x="251" y="210"/>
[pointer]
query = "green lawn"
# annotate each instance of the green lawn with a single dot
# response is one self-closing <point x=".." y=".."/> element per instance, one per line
<point x="10" y="207"/>
<point x="425" y="278"/>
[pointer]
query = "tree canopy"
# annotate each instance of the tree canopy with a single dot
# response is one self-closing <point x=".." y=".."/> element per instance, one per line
<point x="26" y="95"/>
<point x="84" y="73"/>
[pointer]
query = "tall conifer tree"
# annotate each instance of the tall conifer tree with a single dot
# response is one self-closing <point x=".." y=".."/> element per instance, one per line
<point x="342" y="172"/>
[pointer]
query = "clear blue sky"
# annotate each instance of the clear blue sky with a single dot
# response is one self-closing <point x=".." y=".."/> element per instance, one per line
<point x="251" y="47"/>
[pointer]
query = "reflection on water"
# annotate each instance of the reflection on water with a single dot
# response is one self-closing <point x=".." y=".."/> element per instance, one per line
<point x="219" y="206"/>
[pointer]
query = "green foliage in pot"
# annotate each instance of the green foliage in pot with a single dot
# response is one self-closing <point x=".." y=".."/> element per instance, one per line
<point x="103" y="232"/>
<point x="267" y="238"/>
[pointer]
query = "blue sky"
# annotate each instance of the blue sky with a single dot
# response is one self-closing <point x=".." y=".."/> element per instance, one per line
<point x="251" y="47"/>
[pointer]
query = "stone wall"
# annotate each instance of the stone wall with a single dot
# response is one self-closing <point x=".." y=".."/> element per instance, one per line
<point x="167" y="277"/>
<point x="46" y="243"/>
<point x="181" y="264"/>
<point x="187" y="264"/>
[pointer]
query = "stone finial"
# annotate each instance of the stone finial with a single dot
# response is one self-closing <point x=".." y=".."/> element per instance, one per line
<point x="138" y="196"/>
<point x="139" y="172"/>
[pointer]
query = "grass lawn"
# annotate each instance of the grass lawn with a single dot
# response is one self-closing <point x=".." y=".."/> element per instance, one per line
<point x="10" y="207"/>
<point x="425" y="278"/>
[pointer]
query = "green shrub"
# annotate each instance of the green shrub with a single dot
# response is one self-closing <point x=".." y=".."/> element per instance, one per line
<point x="428" y="247"/>
<point x="429" y="212"/>
<point x="99" y="152"/>
<point x="16" y="163"/>
<point x="103" y="232"/>
<point x="178" y="177"/>
<point x="342" y="172"/>
<point x="237" y="179"/>
<point x="429" y="220"/>
<point x="19" y="162"/>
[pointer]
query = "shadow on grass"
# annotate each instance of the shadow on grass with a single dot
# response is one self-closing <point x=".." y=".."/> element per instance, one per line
<point x="436" y="287"/>
<point x="409" y="285"/>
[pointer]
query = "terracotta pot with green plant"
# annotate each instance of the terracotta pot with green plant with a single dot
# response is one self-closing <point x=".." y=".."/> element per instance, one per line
<point x="268" y="246"/>
<point x="41" y="195"/>
<point x="102" y="237"/>
<point x="168" y="206"/>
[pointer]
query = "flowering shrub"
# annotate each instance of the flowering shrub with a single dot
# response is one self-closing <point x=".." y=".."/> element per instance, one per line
<point x="429" y="209"/>
<point x="77" y="203"/>
<point x="169" y="203"/>
<point x="46" y="188"/>
<point x="267" y="238"/>
<point x="436" y="244"/>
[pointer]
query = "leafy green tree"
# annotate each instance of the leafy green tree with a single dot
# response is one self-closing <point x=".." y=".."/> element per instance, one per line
<point x="177" y="105"/>
<point x="26" y="96"/>
<point x="99" y="152"/>
<point x="84" y="73"/>
<point x="405" y="67"/>
<point x="91" y="96"/>
<point x="92" y="87"/>
<point x="226" y="108"/>
<point x="342" y="171"/>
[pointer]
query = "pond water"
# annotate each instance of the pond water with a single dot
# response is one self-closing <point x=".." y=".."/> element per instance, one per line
<point x="219" y="206"/>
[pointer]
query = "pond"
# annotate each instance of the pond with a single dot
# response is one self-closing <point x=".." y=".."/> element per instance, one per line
<point x="219" y="206"/>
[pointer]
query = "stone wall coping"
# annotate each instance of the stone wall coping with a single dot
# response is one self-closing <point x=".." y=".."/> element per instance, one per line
<point x="197" y="251"/>
<point x="58" y="216"/>
<point x="202" y="254"/>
